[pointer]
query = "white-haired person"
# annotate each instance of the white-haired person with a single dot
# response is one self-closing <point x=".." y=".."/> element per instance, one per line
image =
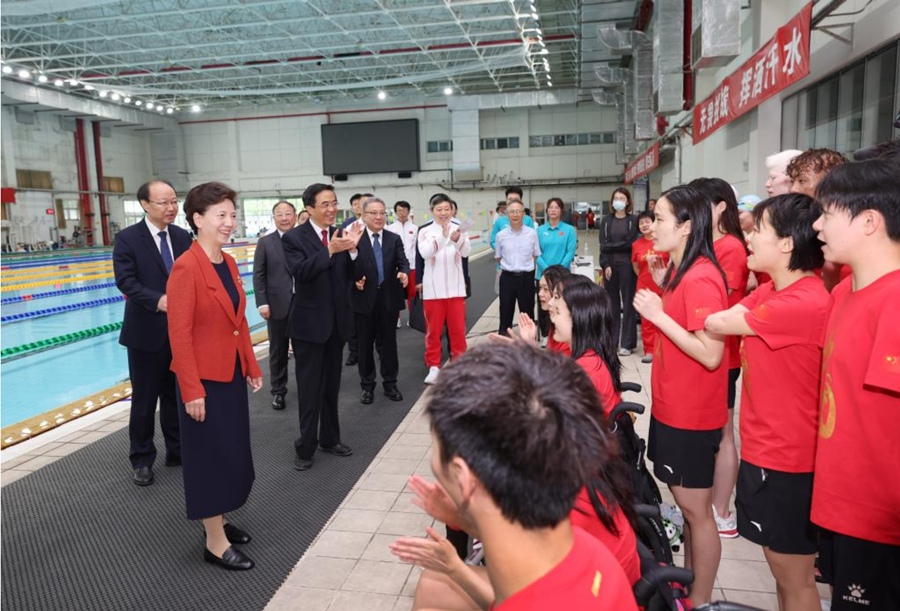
<point x="778" y="181"/>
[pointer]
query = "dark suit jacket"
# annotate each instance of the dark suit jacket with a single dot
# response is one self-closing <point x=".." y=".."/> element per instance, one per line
<point x="141" y="276"/>
<point x="206" y="333"/>
<point x="420" y="262"/>
<point x="272" y="280"/>
<point x="321" y="284"/>
<point x="392" y="291"/>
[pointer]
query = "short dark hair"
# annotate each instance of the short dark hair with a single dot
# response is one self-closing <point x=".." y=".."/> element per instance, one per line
<point x="889" y="149"/>
<point x="439" y="198"/>
<point x="527" y="211"/>
<point x="792" y="216"/>
<point x="557" y="201"/>
<point x="517" y="190"/>
<point x="309" y="196"/>
<point x="815" y="160"/>
<point x="402" y="204"/>
<point x="453" y="205"/>
<point x="500" y="205"/>
<point x="528" y="424"/>
<point x="355" y="197"/>
<point x="865" y="185"/>
<point x="646" y="214"/>
<point x="201" y="197"/>
<point x="283" y="201"/>
<point x="143" y="192"/>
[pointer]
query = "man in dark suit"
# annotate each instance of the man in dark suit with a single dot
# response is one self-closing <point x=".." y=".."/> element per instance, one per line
<point x="381" y="272"/>
<point x="143" y="256"/>
<point x="274" y="288"/>
<point x="356" y="201"/>
<point x="318" y="258"/>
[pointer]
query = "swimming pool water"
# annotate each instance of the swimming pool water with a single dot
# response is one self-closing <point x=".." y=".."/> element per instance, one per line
<point x="46" y="380"/>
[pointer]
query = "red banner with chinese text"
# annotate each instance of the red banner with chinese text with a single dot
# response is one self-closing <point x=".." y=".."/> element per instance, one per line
<point x="646" y="163"/>
<point x="781" y="62"/>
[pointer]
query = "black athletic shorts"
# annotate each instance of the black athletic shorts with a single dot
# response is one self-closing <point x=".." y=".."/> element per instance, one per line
<point x="866" y="574"/>
<point x="682" y="457"/>
<point x="773" y="509"/>
<point x="733" y="375"/>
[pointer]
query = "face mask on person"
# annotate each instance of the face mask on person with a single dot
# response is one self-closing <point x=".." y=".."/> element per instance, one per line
<point x="619" y="205"/>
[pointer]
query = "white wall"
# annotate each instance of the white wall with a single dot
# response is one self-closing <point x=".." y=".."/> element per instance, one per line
<point x="261" y="156"/>
<point x="737" y="151"/>
<point x="44" y="146"/>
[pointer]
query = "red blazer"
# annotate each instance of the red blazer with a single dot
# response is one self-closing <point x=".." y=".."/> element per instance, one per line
<point x="204" y="330"/>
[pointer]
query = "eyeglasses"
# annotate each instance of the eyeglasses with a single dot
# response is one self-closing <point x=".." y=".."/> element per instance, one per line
<point x="169" y="204"/>
<point x="377" y="214"/>
<point x="285" y="215"/>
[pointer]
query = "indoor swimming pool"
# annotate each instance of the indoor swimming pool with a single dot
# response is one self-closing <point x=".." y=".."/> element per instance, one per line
<point x="61" y="315"/>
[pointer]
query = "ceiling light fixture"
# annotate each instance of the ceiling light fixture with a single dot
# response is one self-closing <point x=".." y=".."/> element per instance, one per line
<point x="116" y="97"/>
<point x="73" y="82"/>
<point x="88" y="87"/>
<point x="535" y="16"/>
<point x="169" y="111"/>
<point x="59" y="82"/>
<point x="7" y="70"/>
<point x="43" y="78"/>
<point x="195" y="108"/>
<point x="24" y="73"/>
<point x="159" y="107"/>
<point x="103" y="94"/>
<point x="149" y="105"/>
<point x="382" y="95"/>
<point x="448" y="90"/>
<point x="127" y="100"/>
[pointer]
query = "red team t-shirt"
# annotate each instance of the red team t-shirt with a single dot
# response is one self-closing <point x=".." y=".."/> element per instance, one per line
<point x="856" y="490"/>
<point x="781" y="367"/>
<point x="556" y="346"/>
<point x="732" y="257"/>
<point x="623" y="547"/>
<point x="686" y="395"/>
<point x="597" y="371"/>
<point x="588" y="578"/>
<point x="640" y="250"/>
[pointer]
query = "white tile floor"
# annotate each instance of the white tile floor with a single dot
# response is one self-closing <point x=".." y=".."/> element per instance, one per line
<point x="349" y="567"/>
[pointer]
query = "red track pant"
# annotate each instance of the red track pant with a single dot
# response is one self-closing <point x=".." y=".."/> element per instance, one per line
<point x="438" y="312"/>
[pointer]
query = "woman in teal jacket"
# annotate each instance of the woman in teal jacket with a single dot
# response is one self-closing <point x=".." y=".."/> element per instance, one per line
<point x="558" y="244"/>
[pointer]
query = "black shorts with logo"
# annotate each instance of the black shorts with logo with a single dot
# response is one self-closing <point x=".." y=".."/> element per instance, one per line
<point x="773" y="509"/>
<point x="865" y="574"/>
<point x="683" y="457"/>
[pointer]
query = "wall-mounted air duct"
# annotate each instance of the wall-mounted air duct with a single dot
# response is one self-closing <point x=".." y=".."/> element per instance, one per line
<point x="631" y="145"/>
<point x="715" y="32"/>
<point x="604" y="98"/>
<point x="617" y="41"/>
<point x="644" y="121"/>
<point x="668" y="57"/>
<point x="609" y="76"/>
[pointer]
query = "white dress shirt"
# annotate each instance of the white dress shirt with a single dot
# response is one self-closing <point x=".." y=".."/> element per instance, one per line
<point x="517" y="250"/>
<point x="407" y="232"/>
<point x="154" y="231"/>
<point x="443" y="262"/>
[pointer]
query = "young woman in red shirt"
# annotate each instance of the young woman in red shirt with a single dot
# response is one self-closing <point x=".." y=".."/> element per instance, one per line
<point x="690" y="376"/>
<point x="731" y="252"/>
<point x="642" y="257"/>
<point x="782" y="323"/>
<point x="548" y="286"/>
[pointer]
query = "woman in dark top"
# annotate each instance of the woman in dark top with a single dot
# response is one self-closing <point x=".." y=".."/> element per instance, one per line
<point x="213" y="360"/>
<point x="618" y="230"/>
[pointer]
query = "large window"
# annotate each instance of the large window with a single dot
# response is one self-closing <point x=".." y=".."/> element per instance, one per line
<point x="845" y="111"/>
<point x="258" y="213"/>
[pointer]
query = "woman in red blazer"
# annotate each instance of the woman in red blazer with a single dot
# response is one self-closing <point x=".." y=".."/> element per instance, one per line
<point x="213" y="361"/>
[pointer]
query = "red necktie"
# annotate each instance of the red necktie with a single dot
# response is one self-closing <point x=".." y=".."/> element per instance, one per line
<point x="325" y="238"/>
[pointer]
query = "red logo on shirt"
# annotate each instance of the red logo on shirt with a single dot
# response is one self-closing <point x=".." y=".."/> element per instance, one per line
<point x="562" y="233"/>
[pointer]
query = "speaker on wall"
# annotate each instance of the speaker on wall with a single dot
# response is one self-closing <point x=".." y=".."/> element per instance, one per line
<point x="404" y="175"/>
<point x="340" y="178"/>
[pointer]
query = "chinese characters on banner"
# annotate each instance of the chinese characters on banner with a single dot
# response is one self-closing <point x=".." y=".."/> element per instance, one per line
<point x="646" y="163"/>
<point x="781" y="62"/>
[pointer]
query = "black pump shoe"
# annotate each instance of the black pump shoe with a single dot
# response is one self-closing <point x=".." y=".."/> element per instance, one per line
<point x="235" y="535"/>
<point x="232" y="559"/>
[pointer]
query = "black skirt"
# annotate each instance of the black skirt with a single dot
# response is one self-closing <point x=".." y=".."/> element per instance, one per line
<point x="215" y="453"/>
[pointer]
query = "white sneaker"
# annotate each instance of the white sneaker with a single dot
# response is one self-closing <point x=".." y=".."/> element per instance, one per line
<point x="431" y="378"/>
<point x="398" y="323"/>
<point x="624" y="352"/>
<point x="727" y="526"/>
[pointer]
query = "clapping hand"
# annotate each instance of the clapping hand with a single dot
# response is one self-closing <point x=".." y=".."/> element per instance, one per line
<point x="657" y="267"/>
<point x="431" y="498"/>
<point x="347" y="240"/>
<point x="527" y="332"/>
<point x="648" y="304"/>
<point x="455" y="236"/>
<point x="435" y="553"/>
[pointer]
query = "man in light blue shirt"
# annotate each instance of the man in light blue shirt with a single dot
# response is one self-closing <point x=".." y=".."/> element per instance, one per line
<point x="517" y="249"/>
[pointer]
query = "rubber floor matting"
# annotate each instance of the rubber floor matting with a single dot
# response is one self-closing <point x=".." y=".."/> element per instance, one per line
<point x="78" y="535"/>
